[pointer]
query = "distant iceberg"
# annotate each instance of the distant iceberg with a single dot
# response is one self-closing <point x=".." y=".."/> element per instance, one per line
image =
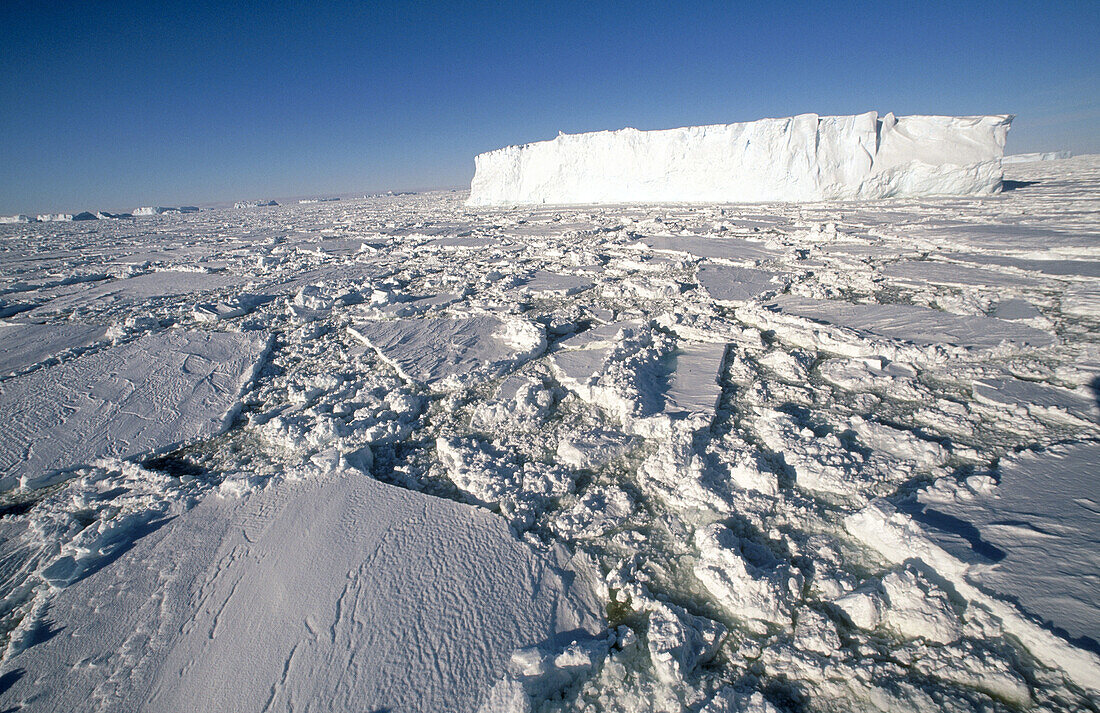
<point x="253" y="204"/>
<point x="151" y="210"/>
<point x="1040" y="156"/>
<point x="15" y="218"/>
<point x="54" y="217"/>
<point x="802" y="158"/>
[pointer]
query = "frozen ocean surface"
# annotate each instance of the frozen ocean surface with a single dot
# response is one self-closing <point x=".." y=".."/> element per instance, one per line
<point x="398" y="454"/>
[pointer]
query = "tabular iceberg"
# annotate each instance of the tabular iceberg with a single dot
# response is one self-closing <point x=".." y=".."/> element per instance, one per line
<point x="801" y="158"/>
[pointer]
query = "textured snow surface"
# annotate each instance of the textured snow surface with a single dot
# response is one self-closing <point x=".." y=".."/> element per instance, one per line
<point x="145" y="396"/>
<point x="1035" y="533"/>
<point x="393" y="454"/>
<point x="800" y="158"/>
<point x="405" y="603"/>
<point x="434" y="349"/>
<point x="25" y="345"/>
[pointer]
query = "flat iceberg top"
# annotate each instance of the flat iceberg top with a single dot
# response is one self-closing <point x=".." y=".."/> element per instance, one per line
<point x="800" y="158"/>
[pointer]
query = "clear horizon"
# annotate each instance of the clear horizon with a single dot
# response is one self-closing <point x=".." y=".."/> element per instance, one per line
<point x="112" y="106"/>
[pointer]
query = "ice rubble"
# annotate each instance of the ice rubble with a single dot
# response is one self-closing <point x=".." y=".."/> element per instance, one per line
<point x="801" y="158"/>
<point x="148" y="395"/>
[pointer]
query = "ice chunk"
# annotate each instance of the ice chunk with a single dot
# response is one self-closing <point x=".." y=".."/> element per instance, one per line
<point x="146" y="396"/>
<point x="921" y="272"/>
<point x="801" y="158"/>
<point x="680" y="642"/>
<point x="906" y="602"/>
<point x="142" y="287"/>
<point x="433" y="349"/>
<point x="15" y="218"/>
<point x="694" y="388"/>
<point x="1016" y="309"/>
<point x="1036" y="397"/>
<point x="54" y="217"/>
<point x="555" y="283"/>
<point x="710" y="246"/>
<point x="756" y="593"/>
<point x="736" y="284"/>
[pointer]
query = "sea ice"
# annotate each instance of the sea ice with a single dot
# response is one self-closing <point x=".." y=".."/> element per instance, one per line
<point x="151" y="394"/>
<point x="334" y="589"/>
<point x="737" y="284"/>
<point x="24" y="345"/>
<point x="1040" y="526"/>
<point x="919" y="325"/>
<point x="433" y="349"/>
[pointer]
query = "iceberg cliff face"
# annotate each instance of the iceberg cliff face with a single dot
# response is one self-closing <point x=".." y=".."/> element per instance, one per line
<point x="800" y="158"/>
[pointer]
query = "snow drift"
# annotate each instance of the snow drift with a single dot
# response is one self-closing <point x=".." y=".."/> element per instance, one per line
<point x="801" y="158"/>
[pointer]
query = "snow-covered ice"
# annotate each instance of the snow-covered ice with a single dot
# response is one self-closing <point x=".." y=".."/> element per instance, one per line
<point x="335" y="592"/>
<point x="437" y="348"/>
<point x="142" y="397"/>
<point x="393" y="453"/>
<point x="800" y="158"/>
<point x="26" y="345"/>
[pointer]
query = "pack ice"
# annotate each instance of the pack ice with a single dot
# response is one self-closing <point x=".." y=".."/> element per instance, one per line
<point x="393" y="454"/>
<point x="800" y="158"/>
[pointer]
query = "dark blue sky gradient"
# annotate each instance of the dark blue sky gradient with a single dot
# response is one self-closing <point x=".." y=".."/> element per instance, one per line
<point x="114" y="105"/>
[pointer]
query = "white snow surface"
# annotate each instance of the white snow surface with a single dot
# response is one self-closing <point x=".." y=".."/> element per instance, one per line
<point x="390" y="453"/>
<point x="406" y="603"/>
<point x="800" y="158"/>
<point x="26" y="345"/>
<point x="145" y="396"/>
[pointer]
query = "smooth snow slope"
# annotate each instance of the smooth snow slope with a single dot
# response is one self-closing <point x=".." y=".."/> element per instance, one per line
<point x="801" y="158"/>
<point x="331" y="593"/>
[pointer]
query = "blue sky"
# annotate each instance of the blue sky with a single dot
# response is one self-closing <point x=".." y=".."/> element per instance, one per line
<point x="115" y="105"/>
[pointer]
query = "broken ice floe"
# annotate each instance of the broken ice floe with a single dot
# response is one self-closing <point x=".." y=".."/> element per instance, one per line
<point x="151" y="394"/>
<point x="24" y="345"/>
<point x="434" y="349"/>
<point x="919" y="325"/>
